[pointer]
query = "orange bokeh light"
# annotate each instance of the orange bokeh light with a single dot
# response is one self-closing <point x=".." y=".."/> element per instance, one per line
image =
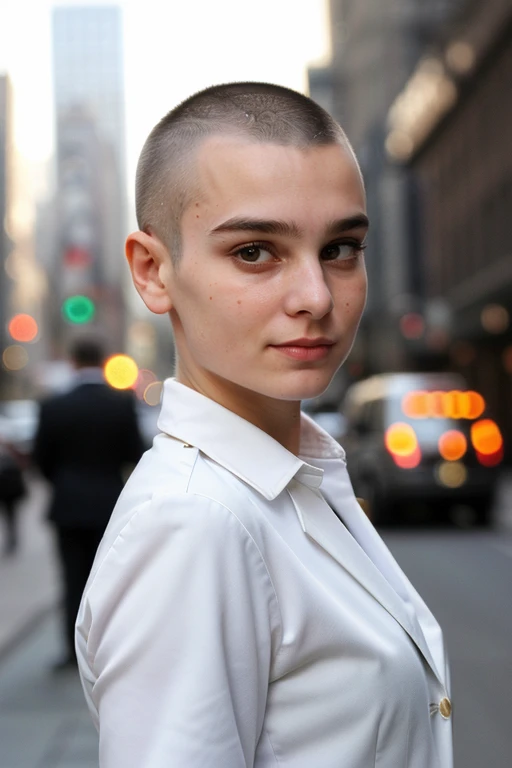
<point x="415" y="405"/>
<point x="449" y="405"/>
<point x="486" y="437"/>
<point x="452" y="445"/>
<point x="23" y="328"/>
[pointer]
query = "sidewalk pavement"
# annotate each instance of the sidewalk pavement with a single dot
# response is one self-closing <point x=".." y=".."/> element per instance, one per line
<point x="44" y="722"/>
<point x="29" y="584"/>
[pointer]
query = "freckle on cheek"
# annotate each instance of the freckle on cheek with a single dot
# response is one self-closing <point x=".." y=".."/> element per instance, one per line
<point x="211" y="297"/>
<point x="239" y="302"/>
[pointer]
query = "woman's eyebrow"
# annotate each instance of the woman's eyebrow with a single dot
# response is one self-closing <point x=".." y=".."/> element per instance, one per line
<point x="266" y="226"/>
<point x="286" y="228"/>
<point x="358" y="221"/>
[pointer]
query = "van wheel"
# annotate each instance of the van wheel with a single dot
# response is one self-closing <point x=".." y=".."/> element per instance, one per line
<point x="476" y="514"/>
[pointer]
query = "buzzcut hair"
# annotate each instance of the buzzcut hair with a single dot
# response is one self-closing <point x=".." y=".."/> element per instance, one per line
<point x="260" y="112"/>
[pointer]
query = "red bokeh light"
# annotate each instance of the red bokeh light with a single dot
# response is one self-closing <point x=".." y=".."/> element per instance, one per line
<point x="23" y="328"/>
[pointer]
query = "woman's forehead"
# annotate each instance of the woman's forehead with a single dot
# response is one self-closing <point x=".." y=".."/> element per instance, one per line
<point x="230" y="172"/>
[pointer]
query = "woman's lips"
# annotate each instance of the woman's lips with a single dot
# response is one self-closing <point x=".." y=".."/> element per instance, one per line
<point x="305" y="351"/>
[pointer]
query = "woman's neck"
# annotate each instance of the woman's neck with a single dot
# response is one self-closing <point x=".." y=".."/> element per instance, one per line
<point x="280" y="419"/>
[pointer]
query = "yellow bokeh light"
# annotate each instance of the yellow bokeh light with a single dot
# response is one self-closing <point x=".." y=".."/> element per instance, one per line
<point x="401" y="439"/>
<point x="121" y="371"/>
<point x="15" y="357"/>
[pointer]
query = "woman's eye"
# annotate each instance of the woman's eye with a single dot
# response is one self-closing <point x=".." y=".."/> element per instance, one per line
<point x="253" y="254"/>
<point x="340" y="251"/>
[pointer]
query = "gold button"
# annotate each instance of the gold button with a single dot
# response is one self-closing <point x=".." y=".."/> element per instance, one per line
<point x="445" y="708"/>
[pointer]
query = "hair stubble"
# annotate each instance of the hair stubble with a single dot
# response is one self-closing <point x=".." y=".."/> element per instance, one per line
<point x="259" y="112"/>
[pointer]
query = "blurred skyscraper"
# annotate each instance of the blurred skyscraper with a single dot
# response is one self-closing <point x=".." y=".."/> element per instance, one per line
<point x="88" y="68"/>
<point x="22" y="284"/>
<point x="4" y="238"/>
<point x="90" y="173"/>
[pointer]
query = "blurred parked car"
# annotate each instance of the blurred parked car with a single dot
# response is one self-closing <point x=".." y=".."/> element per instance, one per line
<point x="18" y="423"/>
<point x="421" y="442"/>
<point x="328" y="418"/>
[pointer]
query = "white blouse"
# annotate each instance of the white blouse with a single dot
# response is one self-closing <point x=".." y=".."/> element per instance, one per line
<point x="232" y="620"/>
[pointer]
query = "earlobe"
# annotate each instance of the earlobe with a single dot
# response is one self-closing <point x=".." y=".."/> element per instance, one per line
<point x="149" y="261"/>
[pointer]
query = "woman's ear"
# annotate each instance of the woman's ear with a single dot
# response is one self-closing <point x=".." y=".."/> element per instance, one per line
<point x="151" y="268"/>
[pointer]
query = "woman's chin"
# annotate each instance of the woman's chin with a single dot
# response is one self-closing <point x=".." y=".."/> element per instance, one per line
<point x="304" y="389"/>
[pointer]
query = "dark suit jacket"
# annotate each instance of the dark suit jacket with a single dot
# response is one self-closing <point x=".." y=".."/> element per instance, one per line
<point x="85" y="440"/>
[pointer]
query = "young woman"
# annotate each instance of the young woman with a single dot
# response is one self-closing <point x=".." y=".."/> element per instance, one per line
<point x="242" y="611"/>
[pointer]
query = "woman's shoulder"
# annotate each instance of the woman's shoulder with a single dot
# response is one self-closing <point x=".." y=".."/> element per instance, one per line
<point x="189" y="494"/>
<point x="165" y="537"/>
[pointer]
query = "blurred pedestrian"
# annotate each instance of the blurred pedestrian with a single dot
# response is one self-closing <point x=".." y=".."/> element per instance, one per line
<point x="87" y="441"/>
<point x="242" y="610"/>
<point x="13" y="489"/>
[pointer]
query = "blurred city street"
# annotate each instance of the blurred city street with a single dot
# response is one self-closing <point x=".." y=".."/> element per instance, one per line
<point x="421" y="400"/>
<point x="464" y="575"/>
<point x="44" y="722"/>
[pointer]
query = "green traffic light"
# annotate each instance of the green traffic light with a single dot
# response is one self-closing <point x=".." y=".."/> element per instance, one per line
<point x="78" y="310"/>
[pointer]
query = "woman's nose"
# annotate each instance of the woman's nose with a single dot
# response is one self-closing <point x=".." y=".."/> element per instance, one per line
<point x="307" y="291"/>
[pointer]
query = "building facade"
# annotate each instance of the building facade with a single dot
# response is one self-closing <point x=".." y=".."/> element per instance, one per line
<point x="22" y="281"/>
<point x="5" y="242"/>
<point x="458" y="152"/>
<point x="375" y="48"/>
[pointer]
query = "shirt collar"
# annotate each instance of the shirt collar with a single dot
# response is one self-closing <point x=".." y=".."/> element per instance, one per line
<point x="218" y="433"/>
<point x="88" y="375"/>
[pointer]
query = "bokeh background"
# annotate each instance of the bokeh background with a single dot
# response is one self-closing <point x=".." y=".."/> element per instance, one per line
<point x="423" y="91"/>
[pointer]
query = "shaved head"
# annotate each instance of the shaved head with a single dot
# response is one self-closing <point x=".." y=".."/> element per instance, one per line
<point x="259" y="112"/>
